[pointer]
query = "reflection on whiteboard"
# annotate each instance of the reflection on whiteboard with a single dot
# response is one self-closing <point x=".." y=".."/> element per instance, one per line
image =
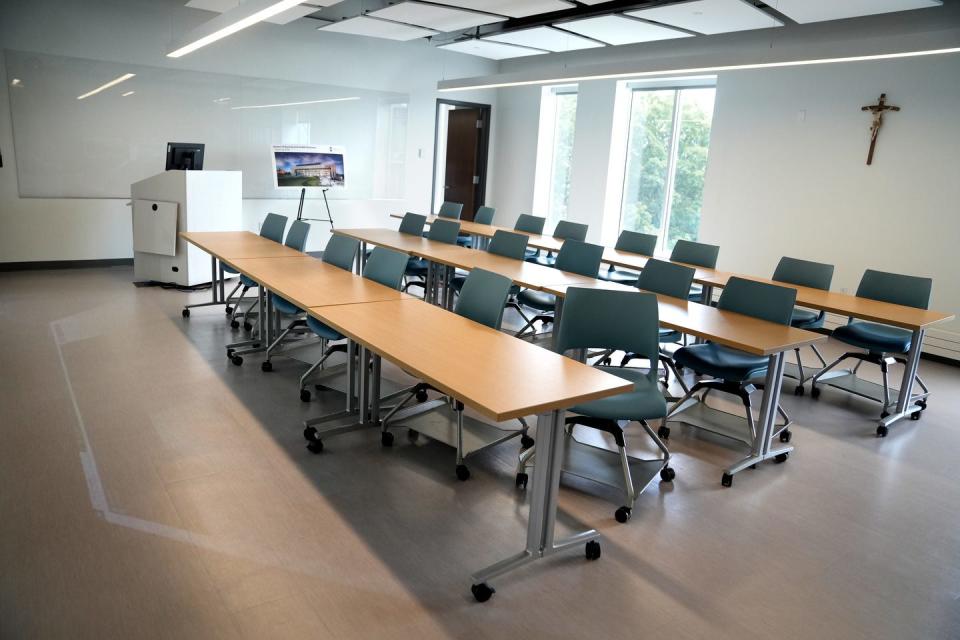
<point x="299" y="166"/>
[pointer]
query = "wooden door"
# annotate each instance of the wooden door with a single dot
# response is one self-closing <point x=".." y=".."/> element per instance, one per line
<point x="462" y="175"/>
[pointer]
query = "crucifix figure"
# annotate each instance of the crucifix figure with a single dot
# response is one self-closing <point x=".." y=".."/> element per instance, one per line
<point x="877" y="111"/>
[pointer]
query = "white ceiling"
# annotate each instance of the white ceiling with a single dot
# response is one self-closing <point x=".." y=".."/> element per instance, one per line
<point x="373" y="28"/>
<point x="511" y="8"/>
<point x="710" y="16"/>
<point x="820" y="10"/>
<point x="547" y="38"/>
<point x="490" y="49"/>
<point x="222" y="6"/>
<point x="615" y="30"/>
<point x="434" y="17"/>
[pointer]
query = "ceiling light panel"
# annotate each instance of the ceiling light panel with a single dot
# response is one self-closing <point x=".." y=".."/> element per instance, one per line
<point x="710" y="16"/>
<point x="305" y="9"/>
<point x="373" y="28"/>
<point x="820" y="10"/>
<point x="491" y="50"/>
<point x="511" y="8"/>
<point x="545" y="38"/>
<point x="434" y="17"/>
<point x="616" y="30"/>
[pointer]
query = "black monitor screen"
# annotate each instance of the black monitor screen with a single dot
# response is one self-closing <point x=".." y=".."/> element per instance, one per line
<point x="184" y="156"/>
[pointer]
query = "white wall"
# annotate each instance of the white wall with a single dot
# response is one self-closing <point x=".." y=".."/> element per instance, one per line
<point x="139" y="32"/>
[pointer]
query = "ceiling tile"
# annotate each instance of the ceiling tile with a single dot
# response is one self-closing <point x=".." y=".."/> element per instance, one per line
<point x="434" y="17"/>
<point x="545" y="38"/>
<point x="488" y="49"/>
<point x="364" y="26"/>
<point x="820" y="10"/>
<point x="511" y="8"/>
<point x="710" y="16"/>
<point x="614" y="29"/>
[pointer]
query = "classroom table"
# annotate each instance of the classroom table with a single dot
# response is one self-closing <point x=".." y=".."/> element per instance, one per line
<point x="487" y="231"/>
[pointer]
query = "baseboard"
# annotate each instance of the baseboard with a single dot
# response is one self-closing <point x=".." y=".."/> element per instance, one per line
<point x="65" y="264"/>
<point x="932" y="357"/>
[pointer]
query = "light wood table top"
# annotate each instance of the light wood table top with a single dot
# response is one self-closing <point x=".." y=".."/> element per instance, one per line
<point x="308" y="282"/>
<point x="535" y="240"/>
<point x="736" y="330"/>
<point x="501" y="376"/>
<point x="229" y="245"/>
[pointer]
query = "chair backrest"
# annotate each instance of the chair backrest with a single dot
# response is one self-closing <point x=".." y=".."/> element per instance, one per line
<point x="567" y="230"/>
<point x="529" y="224"/>
<point x="444" y="231"/>
<point x="804" y="273"/>
<point x="911" y="291"/>
<point x="594" y="318"/>
<point x="666" y="278"/>
<point x="579" y="257"/>
<point x="484" y="215"/>
<point x="297" y="236"/>
<point x="386" y="266"/>
<point x="450" y="210"/>
<point x="635" y="242"/>
<point x="696" y="253"/>
<point x="341" y="251"/>
<point x="509" y="245"/>
<point x="273" y="226"/>
<point x="483" y="297"/>
<point x="758" y="299"/>
<point x="412" y="223"/>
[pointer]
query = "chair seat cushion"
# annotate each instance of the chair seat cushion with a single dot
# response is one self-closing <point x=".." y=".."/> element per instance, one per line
<point x="416" y="267"/>
<point x="323" y="330"/>
<point x="545" y="260"/>
<point x="247" y="282"/>
<point x="669" y="335"/>
<point x="696" y="293"/>
<point x="877" y="338"/>
<point x="227" y="269"/>
<point x="645" y="402"/>
<point x="721" y="362"/>
<point x="284" y="306"/>
<point x="530" y="253"/>
<point x="616" y="275"/>
<point x="806" y="319"/>
<point x="465" y="241"/>
<point x="537" y="300"/>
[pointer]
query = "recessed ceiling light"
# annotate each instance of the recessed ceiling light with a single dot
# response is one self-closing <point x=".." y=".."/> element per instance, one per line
<point x="226" y="24"/>
<point x="103" y="87"/>
<point x="128" y="93"/>
<point x="16" y="82"/>
<point x="222" y="100"/>
<point x="293" y="104"/>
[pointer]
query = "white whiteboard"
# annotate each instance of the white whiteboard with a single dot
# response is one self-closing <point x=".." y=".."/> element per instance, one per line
<point x="98" y="146"/>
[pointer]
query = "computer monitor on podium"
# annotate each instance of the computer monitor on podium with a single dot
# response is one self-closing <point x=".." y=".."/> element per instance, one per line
<point x="184" y="156"/>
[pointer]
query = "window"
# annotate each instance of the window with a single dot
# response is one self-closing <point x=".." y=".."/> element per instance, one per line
<point x="669" y="134"/>
<point x="558" y="115"/>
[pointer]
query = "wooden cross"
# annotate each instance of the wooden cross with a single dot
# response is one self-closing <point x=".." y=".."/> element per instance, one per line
<point x="877" y="111"/>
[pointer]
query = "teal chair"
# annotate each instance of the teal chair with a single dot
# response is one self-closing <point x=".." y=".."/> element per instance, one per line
<point x="484" y="215"/>
<point x="272" y="228"/>
<point x="594" y="318"/>
<point x="506" y="244"/>
<point x="565" y="230"/>
<point x="642" y="243"/>
<point x="815" y="275"/>
<point x="482" y="300"/>
<point x="451" y="210"/>
<point x="445" y="231"/>
<point x="527" y="223"/>
<point x="412" y="223"/>
<point x="699" y="255"/>
<point x="575" y="256"/>
<point x="731" y="370"/>
<point x="883" y="345"/>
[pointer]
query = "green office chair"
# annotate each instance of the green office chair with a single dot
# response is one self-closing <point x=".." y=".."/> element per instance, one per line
<point x="530" y="224"/>
<point x="593" y="318"/>
<point x="643" y="243"/>
<point x="271" y="229"/>
<point x="699" y="255"/>
<point x="445" y="231"/>
<point x="484" y="215"/>
<point x="412" y="223"/>
<point x="815" y="275"/>
<point x="884" y="345"/>
<point x="482" y="300"/>
<point x="733" y="371"/>
<point x="506" y="244"/>
<point x="576" y="257"/>
<point x="565" y="230"/>
<point x="451" y="210"/>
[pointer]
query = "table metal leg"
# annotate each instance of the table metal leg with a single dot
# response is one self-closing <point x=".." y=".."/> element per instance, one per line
<point x="362" y="258"/>
<point x="905" y="404"/>
<point x="217" y="293"/>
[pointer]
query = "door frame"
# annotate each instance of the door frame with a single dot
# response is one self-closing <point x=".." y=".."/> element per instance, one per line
<point x="486" y="111"/>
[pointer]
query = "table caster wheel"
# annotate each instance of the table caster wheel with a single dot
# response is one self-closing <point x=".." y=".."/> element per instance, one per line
<point x="882" y="431"/>
<point x="185" y="313"/>
<point x="236" y="360"/>
<point x="786" y="435"/>
<point x="266" y="366"/>
<point x="727" y="480"/>
<point x="386" y="438"/>
<point x="663" y="432"/>
<point x="623" y="514"/>
<point x="463" y="473"/>
<point x="593" y="550"/>
<point x="315" y="446"/>
<point x="522" y="480"/>
<point x="916" y="415"/>
<point x="413" y="435"/>
<point x="799" y="391"/>
<point x="667" y="474"/>
<point x="814" y="392"/>
<point x="228" y="309"/>
<point x="781" y="457"/>
<point x="305" y="395"/>
<point x="247" y="326"/>
<point x="482" y="592"/>
<point x="235" y="324"/>
<point x="421" y="396"/>
<point x="526" y="441"/>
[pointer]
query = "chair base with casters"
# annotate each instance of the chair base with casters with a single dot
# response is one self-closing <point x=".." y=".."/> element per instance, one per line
<point x="668" y="367"/>
<point x="432" y="418"/>
<point x="597" y="464"/>
<point x="543" y="302"/>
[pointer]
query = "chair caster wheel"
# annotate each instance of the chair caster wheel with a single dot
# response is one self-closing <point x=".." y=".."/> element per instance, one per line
<point x="229" y="353"/>
<point x="309" y="433"/>
<point x="799" y="391"/>
<point x="786" y="435"/>
<point x="315" y="446"/>
<point x="916" y="415"/>
<point x="266" y="366"/>
<point x="235" y="324"/>
<point x="185" y="313"/>
<point x="386" y="438"/>
<point x="884" y="414"/>
<point x="593" y="550"/>
<point x="781" y="457"/>
<point x="413" y="435"/>
<point x="247" y="326"/>
<point x="882" y="431"/>
<point x="305" y="395"/>
<point x="526" y="441"/>
<point x="663" y="433"/>
<point x="463" y="473"/>
<point x="922" y="404"/>
<point x="727" y="480"/>
<point x="623" y="514"/>
<point x="667" y="474"/>
<point x="236" y="360"/>
<point x="482" y="592"/>
<point x="522" y="480"/>
<point x="228" y="309"/>
<point x="421" y="396"/>
<point x="814" y="392"/>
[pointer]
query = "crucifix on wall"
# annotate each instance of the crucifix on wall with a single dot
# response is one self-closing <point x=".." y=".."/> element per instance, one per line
<point x="877" y="110"/>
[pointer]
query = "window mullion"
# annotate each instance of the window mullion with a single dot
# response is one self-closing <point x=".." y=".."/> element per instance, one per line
<point x="671" y="171"/>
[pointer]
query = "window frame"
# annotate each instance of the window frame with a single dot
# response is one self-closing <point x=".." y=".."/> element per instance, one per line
<point x="546" y="150"/>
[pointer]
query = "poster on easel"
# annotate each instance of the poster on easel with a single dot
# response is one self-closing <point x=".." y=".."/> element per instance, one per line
<point x="308" y="167"/>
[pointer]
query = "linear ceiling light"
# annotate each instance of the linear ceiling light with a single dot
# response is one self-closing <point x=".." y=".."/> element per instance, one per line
<point x="292" y="104"/>
<point x="732" y="67"/>
<point x="104" y="87"/>
<point x="226" y="24"/>
<point x="128" y="93"/>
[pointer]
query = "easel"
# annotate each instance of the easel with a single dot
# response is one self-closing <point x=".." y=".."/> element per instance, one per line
<point x="329" y="218"/>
